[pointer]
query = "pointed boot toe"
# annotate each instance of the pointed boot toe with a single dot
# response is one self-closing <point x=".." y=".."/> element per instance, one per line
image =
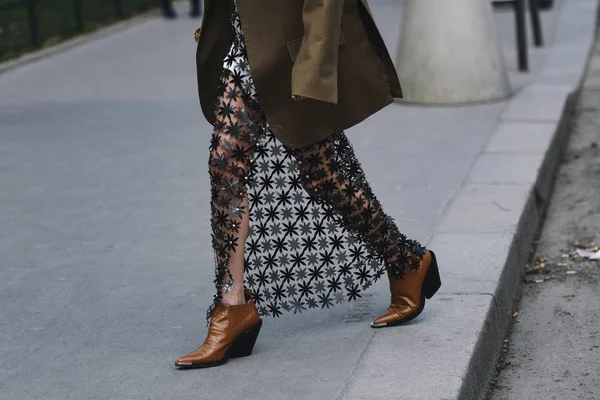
<point x="388" y="318"/>
<point x="189" y="359"/>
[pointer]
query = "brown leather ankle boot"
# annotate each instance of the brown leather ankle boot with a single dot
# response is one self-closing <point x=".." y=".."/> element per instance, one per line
<point x="409" y="292"/>
<point x="232" y="332"/>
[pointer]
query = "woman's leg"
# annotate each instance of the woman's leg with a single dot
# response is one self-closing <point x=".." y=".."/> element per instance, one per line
<point x="236" y="132"/>
<point x="331" y="174"/>
<point x="234" y="320"/>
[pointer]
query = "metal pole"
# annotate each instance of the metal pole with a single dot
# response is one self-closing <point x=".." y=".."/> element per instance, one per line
<point x="521" y="35"/>
<point x="119" y="8"/>
<point x="78" y="15"/>
<point x="33" y="26"/>
<point x="538" y="36"/>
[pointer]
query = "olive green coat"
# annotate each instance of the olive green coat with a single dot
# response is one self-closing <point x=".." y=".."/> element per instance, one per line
<point x="327" y="51"/>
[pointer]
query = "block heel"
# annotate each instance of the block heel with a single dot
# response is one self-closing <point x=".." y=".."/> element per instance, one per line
<point x="432" y="282"/>
<point x="245" y="343"/>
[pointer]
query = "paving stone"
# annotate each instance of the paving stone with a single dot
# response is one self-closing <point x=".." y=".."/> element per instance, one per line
<point x="471" y="262"/>
<point x="542" y="103"/>
<point x="515" y="137"/>
<point x="505" y="168"/>
<point x="485" y="209"/>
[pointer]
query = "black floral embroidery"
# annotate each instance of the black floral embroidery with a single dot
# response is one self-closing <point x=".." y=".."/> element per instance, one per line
<point x="318" y="235"/>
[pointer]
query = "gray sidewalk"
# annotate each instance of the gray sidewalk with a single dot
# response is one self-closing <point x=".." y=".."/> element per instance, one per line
<point x="106" y="266"/>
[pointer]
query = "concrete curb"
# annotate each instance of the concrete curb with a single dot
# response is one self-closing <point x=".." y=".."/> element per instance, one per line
<point x="77" y="41"/>
<point x="498" y="319"/>
<point x="544" y="108"/>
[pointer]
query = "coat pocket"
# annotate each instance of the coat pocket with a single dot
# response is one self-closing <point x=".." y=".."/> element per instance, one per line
<point x="294" y="46"/>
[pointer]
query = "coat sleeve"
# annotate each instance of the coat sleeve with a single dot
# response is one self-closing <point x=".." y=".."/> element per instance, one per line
<point x="314" y="74"/>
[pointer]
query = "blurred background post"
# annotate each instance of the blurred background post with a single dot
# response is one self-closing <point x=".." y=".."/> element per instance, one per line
<point x="449" y="53"/>
<point x="169" y="12"/>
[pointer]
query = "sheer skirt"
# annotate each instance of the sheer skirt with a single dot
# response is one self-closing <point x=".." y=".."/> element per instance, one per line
<point x="318" y="235"/>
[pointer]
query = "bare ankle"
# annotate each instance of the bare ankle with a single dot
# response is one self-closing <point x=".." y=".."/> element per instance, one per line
<point x="233" y="298"/>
